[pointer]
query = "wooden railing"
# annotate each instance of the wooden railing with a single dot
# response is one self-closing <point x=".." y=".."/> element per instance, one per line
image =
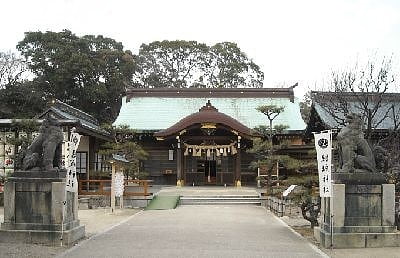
<point x="103" y="187"/>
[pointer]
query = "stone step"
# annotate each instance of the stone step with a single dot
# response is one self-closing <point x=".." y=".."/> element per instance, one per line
<point x="220" y="196"/>
<point x="217" y="200"/>
<point x="221" y="203"/>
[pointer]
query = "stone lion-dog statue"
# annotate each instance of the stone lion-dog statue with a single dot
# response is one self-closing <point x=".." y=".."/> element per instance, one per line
<point x="45" y="151"/>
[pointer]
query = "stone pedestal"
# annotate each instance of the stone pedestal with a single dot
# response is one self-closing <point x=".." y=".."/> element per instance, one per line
<point x="33" y="210"/>
<point x="362" y="216"/>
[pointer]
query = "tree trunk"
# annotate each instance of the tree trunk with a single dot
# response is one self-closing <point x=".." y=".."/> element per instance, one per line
<point x="310" y="211"/>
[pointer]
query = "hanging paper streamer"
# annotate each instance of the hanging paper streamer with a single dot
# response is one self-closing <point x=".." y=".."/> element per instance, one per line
<point x="209" y="150"/>
<point x="234" y="150"/>
<point x="197" y="153"/>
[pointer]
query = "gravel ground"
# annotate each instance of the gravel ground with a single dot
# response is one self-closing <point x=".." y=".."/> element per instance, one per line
<point x="301" y="226"/>
<point x="95" y="221"/>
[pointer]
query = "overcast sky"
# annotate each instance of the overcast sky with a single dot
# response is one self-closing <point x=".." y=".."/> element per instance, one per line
<point x="292" y="41"/>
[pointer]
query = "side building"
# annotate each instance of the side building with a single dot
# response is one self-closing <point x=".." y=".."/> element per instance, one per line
<point x="381" y="115"/>
<point x="88" y="159"/>
<point x="197" y="136"/>
<point x="329" y="110"/>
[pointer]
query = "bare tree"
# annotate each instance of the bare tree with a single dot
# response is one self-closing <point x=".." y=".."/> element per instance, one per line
<point x="12" y="69"/>
<point x="364" y="91"/>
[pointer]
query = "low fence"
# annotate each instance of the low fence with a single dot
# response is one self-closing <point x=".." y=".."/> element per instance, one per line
<point x="276" y="205"/>
<point x="281" y="207"/>
<point x="103" y="187"/>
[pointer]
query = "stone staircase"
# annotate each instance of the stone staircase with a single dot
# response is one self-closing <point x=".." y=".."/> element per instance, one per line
<point x="214" y="195"/>
<point x="220" y="200"/>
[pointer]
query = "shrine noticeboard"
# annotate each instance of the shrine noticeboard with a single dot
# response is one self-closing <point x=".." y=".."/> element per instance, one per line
<point x="119" y="184"/>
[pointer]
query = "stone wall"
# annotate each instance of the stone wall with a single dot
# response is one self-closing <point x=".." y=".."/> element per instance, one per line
<point x="101" y="201"/>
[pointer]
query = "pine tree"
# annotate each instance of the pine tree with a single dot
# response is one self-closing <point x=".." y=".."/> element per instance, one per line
<point x="125" y="144"/>
<point x="268" y="148"/>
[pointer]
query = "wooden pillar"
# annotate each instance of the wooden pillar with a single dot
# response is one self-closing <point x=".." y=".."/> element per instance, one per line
<point x="238" y="165"/>
<point x="179" y="178"/>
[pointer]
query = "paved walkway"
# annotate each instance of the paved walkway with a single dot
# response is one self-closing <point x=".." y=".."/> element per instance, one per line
<point x="96" y="221"/>
<point x="198" y="231"/>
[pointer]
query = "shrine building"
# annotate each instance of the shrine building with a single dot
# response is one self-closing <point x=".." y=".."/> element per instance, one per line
<point x="199" y="136"/>
<point x="88" y="159"/>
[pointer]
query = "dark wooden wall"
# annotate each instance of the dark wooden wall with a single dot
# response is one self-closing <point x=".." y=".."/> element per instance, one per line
<point x="160" y="169"/>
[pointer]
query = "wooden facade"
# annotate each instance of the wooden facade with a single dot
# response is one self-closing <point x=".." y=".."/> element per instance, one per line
<point x="205" y="148"/>
<point x="201" y="136"/>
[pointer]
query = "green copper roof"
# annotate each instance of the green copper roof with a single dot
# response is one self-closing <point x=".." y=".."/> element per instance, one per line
<point x="156" y="113"/>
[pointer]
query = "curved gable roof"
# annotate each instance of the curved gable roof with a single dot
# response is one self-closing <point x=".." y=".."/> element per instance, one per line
<point x="206" y="114"/>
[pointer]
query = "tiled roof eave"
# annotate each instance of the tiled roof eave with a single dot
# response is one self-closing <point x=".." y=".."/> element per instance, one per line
<point x="205" y="117"/>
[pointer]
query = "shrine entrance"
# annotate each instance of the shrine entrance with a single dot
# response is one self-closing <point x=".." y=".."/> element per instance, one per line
<point x="210" y="171"/>
<point x="208" y="146"/>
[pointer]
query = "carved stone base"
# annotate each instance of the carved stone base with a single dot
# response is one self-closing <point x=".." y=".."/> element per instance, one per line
<point x="33" y="210"/>
<point x="358" y="216"/>
<point x="359" y="177"/>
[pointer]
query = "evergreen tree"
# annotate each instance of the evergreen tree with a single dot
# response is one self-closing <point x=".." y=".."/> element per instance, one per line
<point x="267" y="149"/>
<point x="125" y="144"/>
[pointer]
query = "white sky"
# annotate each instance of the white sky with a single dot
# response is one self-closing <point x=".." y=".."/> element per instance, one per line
<point x="292" y="41"/>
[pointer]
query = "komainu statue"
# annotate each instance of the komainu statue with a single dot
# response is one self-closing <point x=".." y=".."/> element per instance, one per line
<point x="355" y="154"/>
<point x="45" y="151"/>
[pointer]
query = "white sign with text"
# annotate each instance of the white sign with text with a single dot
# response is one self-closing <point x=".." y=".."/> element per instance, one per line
<point x="71" y="148"/>
<point x="323" y="146"/>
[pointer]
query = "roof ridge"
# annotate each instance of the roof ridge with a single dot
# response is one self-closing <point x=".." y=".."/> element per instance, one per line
<point x="64" y="107"/>
<point x="211" y="92"/>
